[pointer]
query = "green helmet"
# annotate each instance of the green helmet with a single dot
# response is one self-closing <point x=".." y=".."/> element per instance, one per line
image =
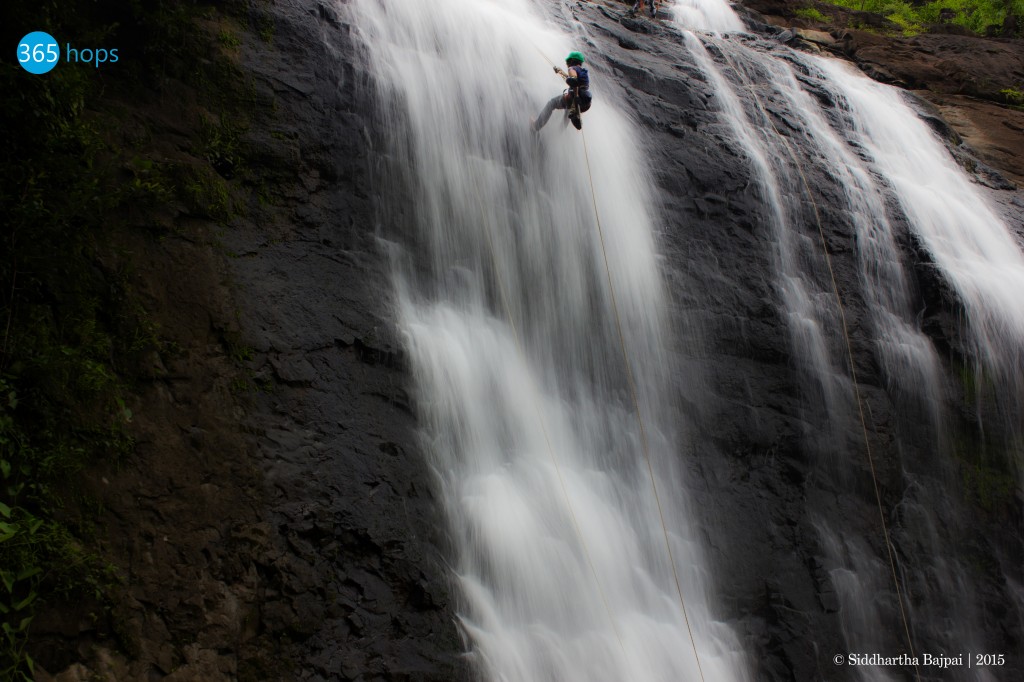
<point x="578" y="56"/>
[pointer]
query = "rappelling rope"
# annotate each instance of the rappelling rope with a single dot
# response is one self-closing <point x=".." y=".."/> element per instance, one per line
<point x="636" y="406"/>
<point x="551" y="449"/>
<point x="849" y="353"/>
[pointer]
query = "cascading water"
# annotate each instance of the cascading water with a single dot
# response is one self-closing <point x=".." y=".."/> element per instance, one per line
<point x="539" y="442"/>
<point x="705" y="15"/>
<point x="970" y="243"/>
<point x="520" y="373"/>
<point x="806" y="303"/>
<point x="874" y="146"/>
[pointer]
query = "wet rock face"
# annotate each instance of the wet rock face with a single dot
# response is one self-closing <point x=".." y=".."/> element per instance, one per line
<point x="311" y="547"/>
<point x="352" y="584"/>
<point x="750" y="462"/>
<point x="352" y="548"/>
<point x="948" y="64"/>
<point x="277" y="520"/>
<point x="967" y="76"/>
<point x="759" y="476"/>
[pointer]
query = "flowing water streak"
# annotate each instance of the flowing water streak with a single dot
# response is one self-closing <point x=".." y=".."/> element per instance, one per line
<point x="945" y="597"/>
<point x="877" y="120"/>
<point x="807" y="305"/>
<point x="715" y="16"/>
<point x="502" y="296"/>
<point x="907" y="356"/>
<point x="860" y="612"/>
<point x="972" y="246"/>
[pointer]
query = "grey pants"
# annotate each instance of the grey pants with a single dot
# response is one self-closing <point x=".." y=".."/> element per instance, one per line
<point x="563" y="101"/>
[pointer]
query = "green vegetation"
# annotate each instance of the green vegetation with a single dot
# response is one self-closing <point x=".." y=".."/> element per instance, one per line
<point x="221" y="143"/>
<point x="1014" y="96"/>
<point x="990" y="488"/>
<point x="204" y="192"/>
<point x="812" y="14"/>
<point x="987" y="475"/>
<point x="265" y="28"/>
<point x="913" y="17"/>
<point x="985" y="462"/>
<point x="71" y="327"/>
<point x="228" y="39"/>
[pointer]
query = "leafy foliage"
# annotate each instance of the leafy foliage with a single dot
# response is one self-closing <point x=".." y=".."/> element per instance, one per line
<point x="812" y="14"/>
<point x="70" y="325"/>
<point x="976" y="15"/>
<point x="1014" y="96"/>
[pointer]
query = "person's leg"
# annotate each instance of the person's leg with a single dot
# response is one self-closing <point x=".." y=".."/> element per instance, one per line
<point x="574" y="112"/>
<point x="542" y="118"/>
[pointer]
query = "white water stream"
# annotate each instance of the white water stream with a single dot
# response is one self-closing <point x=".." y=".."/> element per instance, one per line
<point x="971" y="244"/>
<point x="879" y="146"/>
<point x="560" y="554"/>
<point x="705" y="15"/>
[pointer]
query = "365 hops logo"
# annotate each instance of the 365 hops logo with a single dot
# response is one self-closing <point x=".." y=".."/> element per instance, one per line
<point x="39" y="52"/>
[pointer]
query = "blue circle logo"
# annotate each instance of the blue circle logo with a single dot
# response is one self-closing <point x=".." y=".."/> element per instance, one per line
<point x="38" y="52"/>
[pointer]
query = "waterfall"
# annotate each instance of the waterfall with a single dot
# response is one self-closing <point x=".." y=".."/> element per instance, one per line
<point x="808" y="306"/>
<point x="529" y="292"/>
<point x="872" y="147"/>
<point x="705" y="15"/>
<point x="971" y="244"/>
<point x="554" y="493"/>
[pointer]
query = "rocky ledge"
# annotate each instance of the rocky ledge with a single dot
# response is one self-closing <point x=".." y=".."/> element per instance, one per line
<point x="965" y="76"/>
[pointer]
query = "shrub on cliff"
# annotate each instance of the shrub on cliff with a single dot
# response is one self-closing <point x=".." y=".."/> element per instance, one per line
<point x="979" y="16"/>
<point x="70" y="326"/>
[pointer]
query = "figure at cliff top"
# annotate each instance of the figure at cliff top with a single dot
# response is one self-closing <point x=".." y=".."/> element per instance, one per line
<point x="575" y="99"/>
<point x="638" y="6"/>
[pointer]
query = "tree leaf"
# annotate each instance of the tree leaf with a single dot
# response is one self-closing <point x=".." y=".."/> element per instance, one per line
<point x="25" y="602"/>
<point x="27" y="573"/>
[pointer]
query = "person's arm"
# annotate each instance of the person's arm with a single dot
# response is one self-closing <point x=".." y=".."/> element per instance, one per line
<point x="570" y="79"/>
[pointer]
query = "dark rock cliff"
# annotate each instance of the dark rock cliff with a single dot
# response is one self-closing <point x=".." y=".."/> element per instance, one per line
<point x="763" y="490"/>
<point x="276" y="520"/>
<point x="335" y="568"/>
<point x="968" y="77"/>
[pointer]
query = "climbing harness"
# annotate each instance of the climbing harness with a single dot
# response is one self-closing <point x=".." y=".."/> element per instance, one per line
<point x="573" y="113"/>
<point x="849" y="353"/>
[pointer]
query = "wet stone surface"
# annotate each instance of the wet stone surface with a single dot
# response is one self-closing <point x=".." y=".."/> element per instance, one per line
<point x="291" y="532"/>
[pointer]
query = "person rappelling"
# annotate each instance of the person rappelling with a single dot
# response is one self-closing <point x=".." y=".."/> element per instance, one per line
<point x="576" y="98"/>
